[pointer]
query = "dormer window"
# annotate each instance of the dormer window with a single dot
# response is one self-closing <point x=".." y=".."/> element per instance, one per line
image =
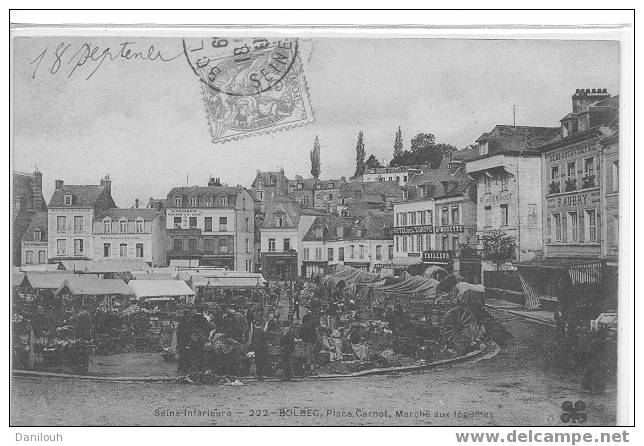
<point x="177" y="201"/>
<point x="38" y="235"/>
<point x="123" y="225"/>
<point x="223" y="201"/>
<point x="299" y="186"/>
<point x="260" y="183"/>
<point x="318" y="232"/>
<point x="193" y="202"/>
<point x="107" y="226"/>
<point x="483" y="148"/>
<point x="208" y="201"/>
<point x="68" y="200"/>
<point x="138" y="226"/>
<point x="331" y="185"/>
<point x="279" y="220"/>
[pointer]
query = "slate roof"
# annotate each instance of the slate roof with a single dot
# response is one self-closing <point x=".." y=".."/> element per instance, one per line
<point x="130" y="214"/>
<point x="93" y="286"/>
<point x="83" y="196"/>
<point x="38" y="223"/>
<point x="508" y="138"/>
<point x="374" y="225"/>
<point x="268" y="178"/>
<point x="285" y="206"/>
<point x="358" y="189"/>
<point x="465" y="154"/>
<point x="444" y="181"/>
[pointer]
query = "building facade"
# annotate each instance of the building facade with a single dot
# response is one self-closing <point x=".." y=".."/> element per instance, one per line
<point x="71" y="212"/>
<point x="28" y="200"/>
<point x="34" y="243"/>
<point x="398" y="174"/>
<point x="508" y="177"/>
<point x="360" y="242"/>
<point x="210" y="226"/>
<point x="327" y="193"/>
<point x="269" y="185"/>
<point x="135" y="233"/>
<point x="303" y="192"/>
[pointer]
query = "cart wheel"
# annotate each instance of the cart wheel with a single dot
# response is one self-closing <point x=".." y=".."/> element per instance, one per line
<point x="460" y="328"/>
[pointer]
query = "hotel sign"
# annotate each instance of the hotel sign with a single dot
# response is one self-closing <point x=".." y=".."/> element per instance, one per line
<point x="184" y="231"/>
<point x="434" y="255"/>
<point x="449" y="228"/>
<point x="411" y="230"/>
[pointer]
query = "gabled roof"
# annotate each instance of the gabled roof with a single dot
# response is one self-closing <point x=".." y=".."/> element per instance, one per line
<point x="38" y="223"/>
<point x="92" y="286"/>
<point x="268" y="178"/>
<point x="307" y="183"/>
<point x="286" y="207"/>
<point x="160" y="288"/>
<point x="50" y="280"/>
<point x="146" y="214"/>
<point x="445" y="181"/>
<point x="83" y="196"/>
<point x="358" y="189"/>
<point x="374" y="225"/>
<point x="195" y="191"/>
<point x="508" y="138"/>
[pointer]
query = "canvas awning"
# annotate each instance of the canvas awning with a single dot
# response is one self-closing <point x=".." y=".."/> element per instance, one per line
<point x="412" y="285"/>
<point x="51" y="280"/>
<point x="93" y="286"/>
<point x="145" y="289"/>
<point x="105" y="266"/>
<point x="350" y="275"/>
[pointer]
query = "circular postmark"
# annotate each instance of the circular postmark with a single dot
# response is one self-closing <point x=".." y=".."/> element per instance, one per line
<point x="241" y="66"/>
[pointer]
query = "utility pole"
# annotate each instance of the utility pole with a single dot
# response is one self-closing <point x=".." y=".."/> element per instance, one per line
<point x="514" y="116"/>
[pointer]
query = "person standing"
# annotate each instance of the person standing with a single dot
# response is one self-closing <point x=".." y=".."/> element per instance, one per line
<point x="287" y="349"/>
<point x="260" y="345"/>
<point x="183" y="342"/>
<point x="82" y="325"/>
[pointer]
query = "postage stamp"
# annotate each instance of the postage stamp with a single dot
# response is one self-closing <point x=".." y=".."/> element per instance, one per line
<point x="249" y="86"/>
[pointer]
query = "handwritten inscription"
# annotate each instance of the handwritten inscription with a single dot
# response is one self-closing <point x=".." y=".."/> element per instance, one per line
<point x="67" y="58"/>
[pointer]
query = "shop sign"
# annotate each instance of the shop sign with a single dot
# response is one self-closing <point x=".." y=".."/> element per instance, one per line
<point x="435" y="255"/>
<point x="496" y="198"/>
<point x="196" y="231"/>
<point x="411" y="230"/>
<point x="571" y="153"/>
<point x="179" y="212"/>
<point x="449" y="228"/>
<point x="41" y="243"/>
<point x="583" y="199"/>
<point x="120" y="237"/>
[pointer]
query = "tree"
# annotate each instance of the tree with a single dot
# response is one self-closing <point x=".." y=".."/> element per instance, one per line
<point x="315" y="158"/>
<point x="360" y="154"/>
<point x="372" y="162"/>
<point x="424" y="150"/>
<point x="499" y="247"/>
<point x="398" y="144"/>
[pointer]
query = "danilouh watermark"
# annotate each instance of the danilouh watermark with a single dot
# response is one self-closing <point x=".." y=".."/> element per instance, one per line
<point x="39" y="437"/>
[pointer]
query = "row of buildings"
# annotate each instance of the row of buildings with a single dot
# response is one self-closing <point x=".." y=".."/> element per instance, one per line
<point x="555" y="189"/>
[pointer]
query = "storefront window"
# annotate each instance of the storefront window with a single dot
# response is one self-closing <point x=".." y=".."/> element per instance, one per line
<point x="139" y="250"/>
<point x="556" y="223"/>
<point x="192" y="244"/>
<point x="223" y="245"/>
<point x="107" y="249"/>
<point x="42" y="257"/>
<point x="488" y="216"/>
<point x="573" y="227"/>
<point x="178" y="244"/>
<point x="591" y="220"/>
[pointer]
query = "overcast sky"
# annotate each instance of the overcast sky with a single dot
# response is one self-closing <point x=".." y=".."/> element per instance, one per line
<point x="144" y="122"/>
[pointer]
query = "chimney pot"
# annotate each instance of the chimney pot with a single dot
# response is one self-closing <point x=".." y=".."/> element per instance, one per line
<point x="59" y="184"/>
<point x="587" y="90"/>
<point x="136" y="203"/>
<point x="593" y="91"/>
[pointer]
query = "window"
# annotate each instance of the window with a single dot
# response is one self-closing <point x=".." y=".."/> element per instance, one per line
<point x="573" y="227"/>
<point x="37" y="235"/>
<point x="107" y="250"/>
<point x="404" y="243"/>
<point x="287" y="244"/>
<point x="339" y="231"/>
<point x="556" y="227"/>
<point x="591" y="227"/>
<point x="405" y="194"/>
<point x="455" y="215"/>
<point x="61" y="223"/>
<point x="247" y="224"/>
<point x="571" y="170"/>
<point x="615" y="176"/>
<point x="223" y="201"/>
<point x="405" y="178"/>
<point x="391" y="252"/>
<point x="397" y="243"/>
<point x="279" y="220"/>
<point x="329" y="254"/>
<point x="504" y="181"/>
<point x="378" y="252"/>
<point x="319" y="232"/>
<point x="412" y="218"/>
<point x="361" y="251"/>
<point x="445" y="241"/>
<point x="208" y="245"/>
<point x="193" y="202"/>
<point x="419" y="243"/>
<point x="504" y="215"/>
<point x="300" y="199"/>
<point x="455" y="243"/>
<point x="554" y="173"/>
<point x="139" y="250"/>
<point x="318" y="253"/>
<point x="422" y="217"/>
<point x="29" y="257"/>
<point x="487" y="183"/>
<point x="341" y="254"/>
<point x="177" y="201"/>
<point x="223" y="222"/>
<point x="271" y="244"/>
<point x="615" y="231"/>
<point x="122" y="225"/>
<point x="305" y="252"/>
<point x="532" y="214"/>
<point x="177" y="222"/>
<point x="68" y="200"/>
<point x="123" y="250"/>
<point x="428" y="241"/>
<point x="192" y="244"/>
<point x="178" y="244"/>
<point x="444" y="216"/>
<point x="78" y="247"/>
<point x="208" y="201"/>
<point x="589" y="166"/>
<point x="430" y="218"/>
<point x="61" y="247"/>
<point x="483" y="148"/>
<point x="138" y="226"/>
<point x="260" y="194"/>
<point x="352" y="251"/>
<point x="78" y="223"/>
<point x="42" y="256"/>
<point x="207" y="221"/>
<point x="247" y="245"/>
<point x="107" y="226"/>
<point x="488" y="216"/>
<point x="192" y="222"/>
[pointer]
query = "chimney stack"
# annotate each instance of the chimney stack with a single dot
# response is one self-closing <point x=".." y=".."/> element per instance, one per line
<point x="59" y="184"/>
<point x="136" y="203"/>
<point x="37" y="198"/>
<point x="583" y="98"/>
<point x="107" y="183"/>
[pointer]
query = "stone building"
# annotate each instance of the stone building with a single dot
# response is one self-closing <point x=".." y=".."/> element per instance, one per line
<point x="71" y="211"/>
<point x="303" y="192"/>
<point x="210" y="226"/>
<point x="269" y="185"/>
<point x="508" y="177"/>
<point x="34" y="240"/>
<point x="398" y="174"/>
<point x="28" y="200"/>
<point x="134" y="233"/>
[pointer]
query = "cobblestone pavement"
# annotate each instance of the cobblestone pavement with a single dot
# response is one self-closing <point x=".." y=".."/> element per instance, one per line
<point x="512" y="388"/>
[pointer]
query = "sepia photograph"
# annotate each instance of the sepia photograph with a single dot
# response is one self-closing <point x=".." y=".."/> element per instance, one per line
<point x="231" y="226"/>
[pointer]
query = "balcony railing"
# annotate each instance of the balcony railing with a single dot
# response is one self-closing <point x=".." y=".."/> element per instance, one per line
<point x="555" y="187"/>
<point x="571" y="185"/>
<point x="588" y="181"/>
